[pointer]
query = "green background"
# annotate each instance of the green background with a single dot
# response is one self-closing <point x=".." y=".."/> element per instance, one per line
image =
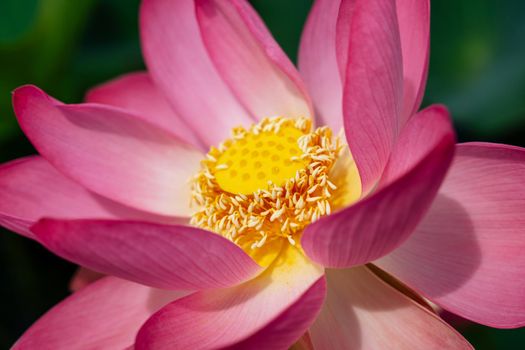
<point x="477" y="69"/>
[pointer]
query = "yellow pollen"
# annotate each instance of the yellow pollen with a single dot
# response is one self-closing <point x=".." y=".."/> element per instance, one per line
<point x="262" y="187"/>
<point x="261" y="152"/>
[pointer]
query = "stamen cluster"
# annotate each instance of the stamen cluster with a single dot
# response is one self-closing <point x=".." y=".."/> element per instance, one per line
<point x="279" y="210"/>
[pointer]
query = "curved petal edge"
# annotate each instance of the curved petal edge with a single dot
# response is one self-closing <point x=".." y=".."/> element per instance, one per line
<point x="381" y="222"/>
<point x="467" y="253"/>
<point x="161" y="256"/>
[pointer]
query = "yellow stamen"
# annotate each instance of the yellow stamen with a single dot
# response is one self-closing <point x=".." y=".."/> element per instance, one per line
<point x="261" y="188"/>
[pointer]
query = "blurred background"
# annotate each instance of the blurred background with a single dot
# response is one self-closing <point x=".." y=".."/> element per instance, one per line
<point x="477" y="69"/>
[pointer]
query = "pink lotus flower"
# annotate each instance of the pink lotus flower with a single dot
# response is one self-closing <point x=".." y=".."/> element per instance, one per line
<point x="319" y="249"/>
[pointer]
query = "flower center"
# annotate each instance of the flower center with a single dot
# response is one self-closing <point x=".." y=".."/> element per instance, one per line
<point x="263" y="186"/>
<point x="258" y="158"/>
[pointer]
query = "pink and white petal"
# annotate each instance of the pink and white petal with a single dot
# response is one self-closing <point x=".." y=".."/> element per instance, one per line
<point x="381" y="222"/>
<point x="110" y="152"/>
<point x="467" y="253"/>
<point x="373" y="87"/>
<point x="283" y="331"/>
<point x="414" y="29"/>
<point x="269" y="312"/>
<point x="31" y="189"/>
<point x="83" y="277"/>
<point x="105" y="315"/>
<point x="180" y="66"/>
<point x="363" y="312"/>
<point x="250" y="61"/>
<point x="137" y="93"/>
<point x="161" y="256"/>
<point x="318" y="63"/>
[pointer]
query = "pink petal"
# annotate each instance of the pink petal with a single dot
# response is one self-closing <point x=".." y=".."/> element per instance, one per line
<point x="318" y="63"/>
<point x="323" y="54"/>
<point x="31" y="189"/>
<point x="137" y="93"/>
<point x="467" y="253"/>
<point x="326" y="42"/>
<point x="373" y="88"/>
<point x="289" y="325"/>
<point x="269" y="312"/>
<point x="363" y="312"/>
<point x="416" y="140"/>
<point x="381" y="222"/>
<point x="83" y="277"/>
<point x="161" y="256"/>
<point x="110" y="152"/>
<point x="250" y="61"/>
<point x="344" y="35"/>
<point x="180" y="66"/>
<point x="104" y="315"/>
<point x="414" y="29"/>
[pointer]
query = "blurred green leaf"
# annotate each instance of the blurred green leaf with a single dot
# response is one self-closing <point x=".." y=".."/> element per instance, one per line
<point x="477" y="64"/>
<point x="112" y="47"/>
<point x="42" y="54"/>
<point x="285" y="19"/>
<point x="16" y="18"/>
